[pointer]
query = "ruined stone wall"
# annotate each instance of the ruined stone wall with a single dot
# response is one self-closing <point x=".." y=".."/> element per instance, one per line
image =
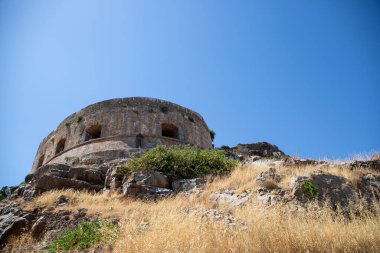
<point x="121" y="120"/>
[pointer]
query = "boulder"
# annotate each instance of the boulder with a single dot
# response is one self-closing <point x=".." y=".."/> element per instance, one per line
<point x="151" y="178"/>
<point x="61" y="200"/>
<point x="230" y="198"/>
<point x="114" y="178"/>
<point x="331" y="190"/>
<point x="270" y="197"/>
<point x="369" y="188"/>
<point x="10" y="224"/>
<point x="144" y="191"/>
<point x="268" y="179"/>
<point x="62" y="176"/>
<point x="38" y="227"/>
<point x="187" y="184"/>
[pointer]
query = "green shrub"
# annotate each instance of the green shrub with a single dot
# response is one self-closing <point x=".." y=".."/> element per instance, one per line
<point x="67" y="124"/>
<point x="83" y="236"/>
<point x="212" y="135"/>
<point x="182" y="161"/>
<point x="309" y="187"/>
<point x="52" y="139"/>
<point x="79" y="119"/>
<point x="4" y="192"/>
<point x="69" y="158"/>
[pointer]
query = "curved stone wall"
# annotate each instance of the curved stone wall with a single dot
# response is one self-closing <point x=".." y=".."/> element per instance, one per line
<point x="118" y="124"/>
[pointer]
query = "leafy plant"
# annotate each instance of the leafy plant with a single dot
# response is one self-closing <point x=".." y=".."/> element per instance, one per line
<point x="164" y="109"/>
<point x="83" y="236"/>
<point x="69" y="158"/>
<point x="182" y="161"/>
<point x="52" y="139"/>
<point x="67" y="124"/>
<point x="310" y="188"/>
<point x="4" y="192"/>
<point x="212" y="134"/>
<point x="79" y="119"/>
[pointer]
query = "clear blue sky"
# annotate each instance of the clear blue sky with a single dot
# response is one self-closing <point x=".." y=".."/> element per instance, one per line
<point x="304" y="75"/>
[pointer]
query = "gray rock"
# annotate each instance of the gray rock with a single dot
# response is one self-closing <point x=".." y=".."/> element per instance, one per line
<point x="11" y="224"/>
<point x="268" y="175"/>
<point x="38" y="227"/>
<point x="270" y="197"/>
<point x="81" y="212"/>
<point x="369" y="188"/>
<point x="144" y="191"/>
<point x="187" y="184"/>
<point x="332" y="190"/>
<point x="151" y="178"/>
<point x="230" y="198"/>
<point x="61" y="200"/>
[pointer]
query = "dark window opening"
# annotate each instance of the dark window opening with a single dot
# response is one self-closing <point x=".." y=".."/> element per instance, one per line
<point x="60" y="146"/>
<point x="139" y="140"/>
<point x="41" y="161"/>
<point x="93" y="132"/>
<point x="169" y="130"/>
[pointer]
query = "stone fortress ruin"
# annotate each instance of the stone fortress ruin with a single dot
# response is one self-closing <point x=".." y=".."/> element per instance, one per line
<point x="111" y="129"/>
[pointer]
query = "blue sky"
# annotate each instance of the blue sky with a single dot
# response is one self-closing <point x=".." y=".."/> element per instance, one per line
<point x="304" y="75"/>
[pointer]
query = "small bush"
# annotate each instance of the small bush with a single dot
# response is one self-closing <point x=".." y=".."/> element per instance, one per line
<point x="310" y="188"/>
<point x="69" y="158"/>
<point x="4" y="192"/>
<point x="52" y="140"/>
<point x="182" y="162"/>
<point x="83" y="236"/>
<point x="67" y="124"/>
<point x="212" y="135"/>
<point x="79" y="119"/>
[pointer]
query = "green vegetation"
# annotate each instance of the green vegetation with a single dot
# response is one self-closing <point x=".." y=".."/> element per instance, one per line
<point x="4" y="192"/>
<point x="164" y="109"/>
<point x="79" y="119"/>
<point x="83" y="236"/>
<point x="310" y="188"/>
<point x="69" y="158"/>
<point x="67" y="124"/>
<point x="52" y="139"/>
<point x="212" y="134"/>
<point x="182" y="161"/>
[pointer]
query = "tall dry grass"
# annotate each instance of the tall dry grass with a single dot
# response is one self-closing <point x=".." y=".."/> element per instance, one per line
<point x="165" y="226"/>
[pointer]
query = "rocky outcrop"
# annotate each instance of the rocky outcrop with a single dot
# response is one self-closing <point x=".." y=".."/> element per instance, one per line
<point x="331" y="190"/>
<point x="61" y="176"/>
<point x="13" y="221"/>
<point x="230" y="198"/>
<point x="259" y="149"/>
<point x="187" y="184"/>
<point x="371" y="164"/>
<point x="146" y="184"/>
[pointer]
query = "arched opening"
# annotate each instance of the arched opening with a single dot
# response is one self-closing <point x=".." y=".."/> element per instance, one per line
<point x="60" y="146"/>
<point x="41" y="161"/>
<point x="169" y="130"/>
<point x="93" y="132"/>
<point x="139" y="141"/>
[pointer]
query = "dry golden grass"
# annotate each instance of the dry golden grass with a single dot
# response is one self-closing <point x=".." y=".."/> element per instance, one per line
<point x="165" y="226"/>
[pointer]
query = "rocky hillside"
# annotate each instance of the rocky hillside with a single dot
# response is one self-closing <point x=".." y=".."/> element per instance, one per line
<point x="269" y="202"/>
